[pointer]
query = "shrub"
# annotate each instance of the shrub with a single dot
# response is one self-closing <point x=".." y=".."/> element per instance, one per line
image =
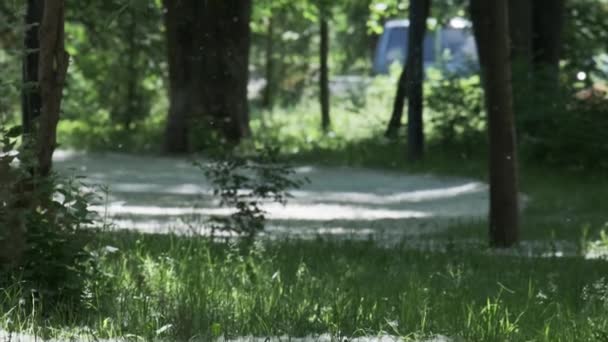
<point x="244" y="184"/>
<point x="42" y="221"/>
<point x="456" y="110"/>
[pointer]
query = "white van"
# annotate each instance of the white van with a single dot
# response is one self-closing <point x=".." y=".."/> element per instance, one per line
<point x="449" y="48"/>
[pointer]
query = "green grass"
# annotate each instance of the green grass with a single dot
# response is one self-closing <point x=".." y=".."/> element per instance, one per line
<point x="179" y="288"/>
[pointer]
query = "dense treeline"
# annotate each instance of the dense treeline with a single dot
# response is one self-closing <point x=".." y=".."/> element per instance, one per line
<point x="130" y="40"/>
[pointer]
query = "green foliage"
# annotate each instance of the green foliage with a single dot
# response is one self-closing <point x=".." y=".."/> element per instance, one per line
<point x="98" y="133"/>
<point x="585" y="35"/>
<point x="559" y="127"/>
<point x="244" y="184"/>
<point x="118" y="67"/>
<point x="51" y="214"/>
<point x="456" y="111"/>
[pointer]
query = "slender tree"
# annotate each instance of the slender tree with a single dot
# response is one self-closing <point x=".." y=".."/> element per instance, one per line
<point x="490" y="20"/>
<point x="419" y="12"/>
<point x="52" y="71"/>
<point x="44" y="23"/>
<point x="410" y="82"/>
<point x="394" y="123"/>
<point x="324" y="61"/>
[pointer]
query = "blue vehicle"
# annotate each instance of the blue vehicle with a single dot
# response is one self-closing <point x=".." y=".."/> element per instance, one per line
<point x="450" y="48"/>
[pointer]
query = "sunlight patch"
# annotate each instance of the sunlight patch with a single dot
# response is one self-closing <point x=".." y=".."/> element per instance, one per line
<point x="408" y="196"/>
<point x="317" y="212"/>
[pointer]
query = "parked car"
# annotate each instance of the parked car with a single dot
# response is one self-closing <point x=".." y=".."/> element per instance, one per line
<point x="449" y="47"/>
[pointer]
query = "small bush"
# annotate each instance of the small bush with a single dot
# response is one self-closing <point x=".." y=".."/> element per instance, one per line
<point x="562" y="129"/>
<point x="42" y="221"/>
<point x="457" y="113"/>
<point x="244" y="184"/>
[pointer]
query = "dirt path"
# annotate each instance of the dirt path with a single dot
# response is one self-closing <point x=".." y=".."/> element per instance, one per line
<point x="153" y="194"/>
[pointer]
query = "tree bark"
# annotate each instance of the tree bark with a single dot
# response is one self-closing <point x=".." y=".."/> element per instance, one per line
<point x="324" y="72"/>
<point x="491" y="25"/>
<point x="179" y="27"/>
<point x="52" y="71"/>
<point x="520" y="32"/>
<point x="395" y="122"/>
<point x="547" y="39"/>
<point x="222" y="67"/>
<point x="13" y="239"/>
<point x="477" y="11"/>
<point x="30" y="94"/>
<point x="419" y="12"/>
<point x="208" y="43"/>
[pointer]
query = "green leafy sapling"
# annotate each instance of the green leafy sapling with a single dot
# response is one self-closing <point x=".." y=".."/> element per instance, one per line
<point x="244" y="184"/>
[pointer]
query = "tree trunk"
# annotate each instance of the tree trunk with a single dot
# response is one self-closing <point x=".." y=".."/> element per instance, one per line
<point x="419" y="12"/>
<point x="324" y="72"/>
<point x="222" y="67"/>
<point x="52" y="71"/>
<point x="13" y="239"/>
<point x="133" y="80"/>
<point x="520" y="31"/>
<point x="180" y="29"/>
<point x="208" y="44"/>
<point x="30" y="95"/>
<point x="548" y="27"/>
<point x="41" y="115"/>
<point x="395" y="122"/>
<point x="491" y="25"/>
<point x="267" y="96"/>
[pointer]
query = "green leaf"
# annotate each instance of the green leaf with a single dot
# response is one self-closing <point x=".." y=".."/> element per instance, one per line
<point x="14" y="132"/>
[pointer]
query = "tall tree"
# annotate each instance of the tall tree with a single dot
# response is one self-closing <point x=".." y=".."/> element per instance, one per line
<point x="324" y="61"/>
<point x="45" y="65"/>
<point x="490" y="22"/>
<point x="179" y="27"/>
<point x="44" y="22"/>
<point x="410" y="82"/>
<point x="521" y="32"/>
<point x="394" y="123"/>
<point x="223" y="74"/>
<point x="548" y="25"/>
<point x="419" y="12"/>
<point x="208" y="45"/>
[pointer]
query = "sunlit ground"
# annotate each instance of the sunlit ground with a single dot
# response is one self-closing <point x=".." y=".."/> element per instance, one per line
<point x="161" y="194"/>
